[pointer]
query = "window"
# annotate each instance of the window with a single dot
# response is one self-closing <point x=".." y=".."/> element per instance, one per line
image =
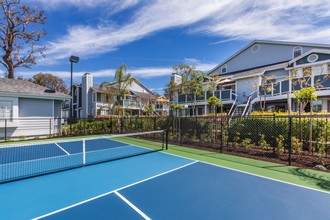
<point x="93" y="97"/>
<point x="255" y="48"/>
<point x="297" y="51"/>
<point x="99" y="97"/>
<point x="317" y="106"/>
<point x="6" y="109"/>
<point x="312" y="58"/>
<point x="224" y="68"/>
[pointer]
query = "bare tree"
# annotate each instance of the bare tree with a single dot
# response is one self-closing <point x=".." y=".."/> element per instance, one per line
<point x="19" y="34"/>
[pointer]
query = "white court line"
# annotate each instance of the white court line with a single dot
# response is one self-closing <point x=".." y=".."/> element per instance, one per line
<point x="132" y="206"/>
<point x="47" y="158"/>
<point x="252" y="174"/>
<point x="62" y="149"/>
<point x="121" y="188"/>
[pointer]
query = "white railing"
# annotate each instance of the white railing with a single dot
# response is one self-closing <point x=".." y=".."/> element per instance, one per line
<point x="232" y="109"/>
<point x="248" y="106"/>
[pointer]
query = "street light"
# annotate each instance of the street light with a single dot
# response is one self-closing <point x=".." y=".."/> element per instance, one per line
<point x="186" y="108"/>
<point x="73" y="59"/>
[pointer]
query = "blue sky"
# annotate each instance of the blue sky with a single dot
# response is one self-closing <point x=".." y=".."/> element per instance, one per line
<point x="152" y="36"/>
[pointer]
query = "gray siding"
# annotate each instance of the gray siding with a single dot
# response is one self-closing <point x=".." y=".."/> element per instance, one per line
<point x="245" y="87"/>
<point x="57" y="109"/>
<point x="35" y="108"/>
<point x="322" y="57"/>
<point x="267" y="54"/>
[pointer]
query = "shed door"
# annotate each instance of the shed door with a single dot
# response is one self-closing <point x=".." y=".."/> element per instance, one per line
<point x="35" y="108"/>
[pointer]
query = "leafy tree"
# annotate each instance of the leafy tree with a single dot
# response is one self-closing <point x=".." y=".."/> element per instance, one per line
<point x="214" y="102"/>
<point x="19" y="34"/>
<point x="50" y="81"/>
<point x="185" y="72"/>
<point x="195" y="87"/>
<point x="264" y="89"/>
<point x="191" y="82"/>
<point x="176" y="108"/>
<point x="214" y="82"/>
<point x="170" y="89"/>
<point x="304" y="96"/>
<point x="149" y="109"/>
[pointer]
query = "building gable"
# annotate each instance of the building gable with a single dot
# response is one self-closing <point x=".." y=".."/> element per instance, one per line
<point x="262" y="53"/>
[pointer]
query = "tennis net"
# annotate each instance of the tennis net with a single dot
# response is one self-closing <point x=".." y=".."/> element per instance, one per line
<point x="34" y="159"/>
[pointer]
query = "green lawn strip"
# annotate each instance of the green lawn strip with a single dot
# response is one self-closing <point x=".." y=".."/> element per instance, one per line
<point x="51" y="140"/>
<point x="304" y="177"/>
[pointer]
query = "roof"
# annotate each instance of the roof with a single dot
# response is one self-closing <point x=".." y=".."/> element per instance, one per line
<point x="270" y="42"/>
<point x="145" y="95"/>
<point x="28" y="89"/>
<point x="258" y="71"/>
<point x="162" y="99"/>
<point x="97" y="87"/>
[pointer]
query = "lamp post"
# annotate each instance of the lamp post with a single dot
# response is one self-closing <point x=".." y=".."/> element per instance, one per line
<point x="73" y="59"/>
<point x="186" y="108"/>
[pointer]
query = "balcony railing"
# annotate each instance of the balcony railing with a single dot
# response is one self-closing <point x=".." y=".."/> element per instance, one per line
<point x="320" y="82"/>
<point x="224" y="95"/>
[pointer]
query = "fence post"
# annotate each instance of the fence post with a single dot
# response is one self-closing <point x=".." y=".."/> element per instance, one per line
<point x="290" y="140"/>
<point x="180" y="124"/>
<point x="121" y="124"/>
<point x="221" y="137"/>
<point x="50" y="128"/>
<point x="166" y="140"/>
<point x="110" y="125"/>
<point x="84" y="126"/>
<point x="70" y="121"/>
<point x="5" y="130"/>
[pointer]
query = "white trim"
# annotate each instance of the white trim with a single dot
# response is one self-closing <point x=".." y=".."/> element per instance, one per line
<point x="249" y="76"/>
<point x="268" y="42"/>
<point x="309" y="64"/>
<point x="53" y="108"/>
<point x="309" y="52"/>
<point x="222" y="67"/>
<point x="26" y="95"/>
<point x="309" y="58"/>
<point x="132" y="206"/>
<point x="255" y="46"/>
<point x="61" y="149"/>
<point x="296" y="49"/>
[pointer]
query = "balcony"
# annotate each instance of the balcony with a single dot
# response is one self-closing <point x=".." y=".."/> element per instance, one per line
<point x="160" y="107"/>
<point x="227" y="95"/>
<point x="280" y="88"/>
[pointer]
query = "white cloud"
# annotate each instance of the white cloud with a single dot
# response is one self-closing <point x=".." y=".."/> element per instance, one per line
<point x="142" y="72"/>
<point x="114" y="5"/>
<point x="293" y="20"/>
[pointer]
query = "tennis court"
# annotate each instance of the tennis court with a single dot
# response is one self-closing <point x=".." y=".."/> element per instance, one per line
<point x="153" y="185"/>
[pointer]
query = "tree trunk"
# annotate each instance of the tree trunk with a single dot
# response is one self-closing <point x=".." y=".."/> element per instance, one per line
<point x="11" y="72"/>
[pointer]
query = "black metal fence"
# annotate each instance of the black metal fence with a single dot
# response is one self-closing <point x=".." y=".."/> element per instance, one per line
<point x="297" y="140"/>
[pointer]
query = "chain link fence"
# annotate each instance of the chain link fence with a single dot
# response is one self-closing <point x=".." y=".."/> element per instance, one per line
<point x="298" y="140"/>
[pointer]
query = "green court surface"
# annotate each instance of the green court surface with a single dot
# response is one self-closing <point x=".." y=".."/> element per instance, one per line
<point x="300" y="176"/>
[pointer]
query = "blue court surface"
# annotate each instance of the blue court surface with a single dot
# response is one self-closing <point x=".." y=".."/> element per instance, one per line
<point x="158" y="186"/>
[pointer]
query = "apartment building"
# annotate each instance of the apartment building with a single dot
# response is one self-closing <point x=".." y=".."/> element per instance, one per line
<point x="90" y="99"/>
<point x="280" y="67"/>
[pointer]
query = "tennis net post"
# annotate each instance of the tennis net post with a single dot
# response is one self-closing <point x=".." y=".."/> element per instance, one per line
<point x="84" y="151"/>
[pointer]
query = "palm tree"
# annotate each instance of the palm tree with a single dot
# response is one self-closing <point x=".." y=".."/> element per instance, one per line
<point x="119" y="88"/>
